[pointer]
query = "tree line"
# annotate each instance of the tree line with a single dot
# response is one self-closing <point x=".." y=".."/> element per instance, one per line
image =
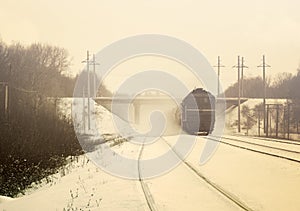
<point x="37" y="67"/>
<point x="284" y="86"/>
<point x="34" y="139"/>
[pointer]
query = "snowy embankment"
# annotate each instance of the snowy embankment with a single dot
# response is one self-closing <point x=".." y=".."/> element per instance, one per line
<point x="81" y="185"/>
<point x="84" y="187"/>
<point x="261" y="182"/>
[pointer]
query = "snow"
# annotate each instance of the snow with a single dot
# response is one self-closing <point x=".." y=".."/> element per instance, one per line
<point x="86" y="188"/>
<point x="262" y="182"/>
<point x="232" y="115"/>
<point x="180" y="188"/>
<point x="5" y="199"/>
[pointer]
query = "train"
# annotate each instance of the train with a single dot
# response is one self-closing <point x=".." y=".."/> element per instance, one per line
<point x="198" y="112"/>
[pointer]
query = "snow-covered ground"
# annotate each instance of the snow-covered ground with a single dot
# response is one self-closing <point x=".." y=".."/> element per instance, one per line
<point x="232" y="116"/>
<point x="259" y="181"/>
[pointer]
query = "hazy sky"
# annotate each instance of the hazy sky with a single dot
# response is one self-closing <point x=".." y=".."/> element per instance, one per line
<point x="216" y="28"/>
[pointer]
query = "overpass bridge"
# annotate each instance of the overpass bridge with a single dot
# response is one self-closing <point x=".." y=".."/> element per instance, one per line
<point x="146" y="103"/>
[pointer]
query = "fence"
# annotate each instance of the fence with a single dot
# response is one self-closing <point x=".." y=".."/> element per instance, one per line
<point x="282" y="121"/>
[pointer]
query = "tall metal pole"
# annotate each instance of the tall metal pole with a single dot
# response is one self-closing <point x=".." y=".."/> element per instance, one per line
<point x="219" y="75"/>
<point x="242" y="77"/>
<point x="219" y="72"/>
<point x="264" y="65"/>
<point x="264" y="88"/>
<point x="239" y="97"/>
<point x="94" y="75"/>
<point x="88" y="86"/>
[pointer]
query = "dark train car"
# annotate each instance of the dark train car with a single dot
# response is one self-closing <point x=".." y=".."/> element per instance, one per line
<point x="198" y="112"/>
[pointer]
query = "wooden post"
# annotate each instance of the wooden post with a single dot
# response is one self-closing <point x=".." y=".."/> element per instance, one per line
<point x="270" y="121"/>
<point x="258" y="122"/>
<point x="267" y="122"/>
<point x="284" y="120"/>
<point x="277" y="119"/>
<point x="288" y="123"/>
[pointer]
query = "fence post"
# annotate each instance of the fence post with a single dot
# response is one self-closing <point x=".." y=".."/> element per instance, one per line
<point x="277" y="119"/>
<point x="270" y="122"/>
<point x="267" y="123"/>
<point x="258" y="122"/>
<point x="288" y="123"/>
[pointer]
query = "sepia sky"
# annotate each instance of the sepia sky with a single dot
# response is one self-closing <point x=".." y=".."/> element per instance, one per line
<point x="216" y="28"/>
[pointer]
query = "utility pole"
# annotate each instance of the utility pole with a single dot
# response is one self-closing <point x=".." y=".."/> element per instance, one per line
<point x="87" y="61"/>
<point x="242" y="77"/>
<point x="264" y="65"/>
<point x="219" y="70"/>
<point x="239" y="95"/>
<point x="95" y="76"/>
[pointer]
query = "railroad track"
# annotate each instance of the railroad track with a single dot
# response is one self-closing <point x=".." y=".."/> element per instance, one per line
<point x="271" y="140"/>
<point x="257" y="145"/>
<point x="147" y="194"/>
<point x="231" y="197"/>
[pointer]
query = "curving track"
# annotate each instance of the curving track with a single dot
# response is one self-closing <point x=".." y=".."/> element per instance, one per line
<point x="151" y="188"/>
<point x="146" y="191"/>
<point x="234" y="199"/>
<point x="194" y="179"/>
